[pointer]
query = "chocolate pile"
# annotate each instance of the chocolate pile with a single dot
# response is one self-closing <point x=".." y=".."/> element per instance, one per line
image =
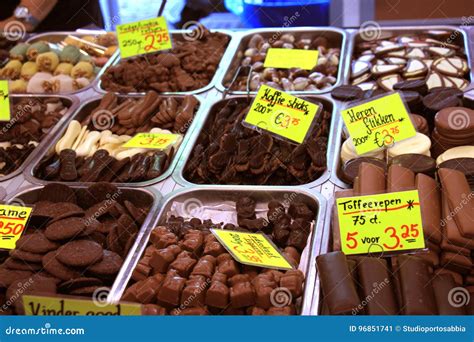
<point x="74" y="243"/>
<point x="189" y="65"/>
<point x="322" y="76"/>
<point x="226" y="152"/>
<point x="382" y="63"/>
<point x="91" y="150"/>
<point x="412" y="285"/>
<point x="31" y="119"/>
<point x="186" y="271"/>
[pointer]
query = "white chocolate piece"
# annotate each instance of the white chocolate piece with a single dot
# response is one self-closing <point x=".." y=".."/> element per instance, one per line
<point x="80" y="138"/>
<point x="72" y="132"/>
<point x="456" y="152"/>
<point x="88" y="144"/>
<point x="419" y="144"/>
<point x="129" y="152"/>
<point x="103" y="135"/>
<point x="5" y="144"/>
<point x="348" y="152"/>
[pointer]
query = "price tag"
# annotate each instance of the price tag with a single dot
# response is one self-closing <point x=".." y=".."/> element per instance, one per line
<point x="252" y="249"/>
<point x="158" y="141"/>
<point x="291" y="58"/>
<point x="144" y="36"/>
<point x="378" y="123"/>
<point x="282" y="114"/>
<point x="57" y="306"/>
<point x="5" y="114"/>
<point x="12" y="224"/>
<point x="380" y="223"/>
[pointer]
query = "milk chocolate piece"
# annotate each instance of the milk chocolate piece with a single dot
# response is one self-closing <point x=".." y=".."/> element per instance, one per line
<point x="374" y="274"/>
<point x="415" y="286"/>
<point x="430" y="206"/>
<point x="450" y="229"/>
<point x="400" y="179"/>
<point x="170" y="291"/>
<point x="418" y="163"/>
<point x="347" y="93"/>
<point x="242" y="295"/>
<point x="68" y="171"/>
<point x="457" y="191"/>
<point x="442" y="285"/>
<point x="338" y="288"/>
<point x="371" y="179"/>
<point x="350" y="169"/>
<point x="218" y="295"/>
<point x="456" y="262"/>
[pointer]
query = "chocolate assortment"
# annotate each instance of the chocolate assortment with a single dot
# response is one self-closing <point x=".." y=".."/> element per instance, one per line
<point x="189" y="65"/>
<point x="32" y="118"/>
<point x="254" y="51"/>
<point x="91" y="150"/>
<point x="186" y="271"/>
<point x="385" y="63"/>
<point x="417" y="284"/>
<point x="75" y="242"/>
<point x="226" y="152"/>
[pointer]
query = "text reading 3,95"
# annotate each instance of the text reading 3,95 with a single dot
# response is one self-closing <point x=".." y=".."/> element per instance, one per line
<point x="281" y="114"/>
<point x="12" y="224"/>
<point x="143" y="36"/>
<point x="380" y="223"/>
<point x="159" y="141"/>
<point x="378" y="123"/>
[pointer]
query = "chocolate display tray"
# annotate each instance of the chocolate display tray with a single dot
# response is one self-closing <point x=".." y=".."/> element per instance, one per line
<point x="175" y="34"/>
<point x="336" y="36"/>
<point x="82" y="112"/>
<point x="58" y="36"/>
<point x="210" y="110"/>
<point x="71" y="101"/>
<point x="148" y="197"/>
<point x="211" y="197"/>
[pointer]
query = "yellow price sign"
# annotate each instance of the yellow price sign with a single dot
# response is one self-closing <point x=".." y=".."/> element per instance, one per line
<point x="380" y="223"/>
<point x="159" y="141"/>
<point x="57" y="306"/>
<point x="12" y="224"/>
<point x="378" y="123"/>
<point x="291" y="58"/>
<point x="252" y="249"/>
<point x="282" y="114"/>
<point x="5" y="114"/>
<point x="144" y="36"/>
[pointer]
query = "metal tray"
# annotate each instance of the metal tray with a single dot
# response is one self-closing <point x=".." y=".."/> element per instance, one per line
<point x="176" y="35"/>
<point x="81" y="113"/>
<point x="73" y="104"/>
<point x="328" y="104"/>
<point x="56" y="37"/>
<point x="262" y="195"/>
<point x="354" y="38"/>
<point x="233" y="62"/>
<point x="154" y="198"/>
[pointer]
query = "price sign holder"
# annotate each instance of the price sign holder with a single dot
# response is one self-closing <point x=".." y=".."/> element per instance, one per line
<point x="378" y="123"/>
<point x="285" y="116"/>
<point x="5" y="112"/>
<point x="254" y="249"/>
<point x="13" y="220"/>
<point x="380" y="223"/>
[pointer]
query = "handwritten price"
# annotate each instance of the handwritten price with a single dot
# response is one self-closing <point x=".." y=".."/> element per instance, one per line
<point x="155" y="141"/>
<point x="11" y="228"/>
<point x="250" y="254"/>
<point x="158" y="38"/>
<point x="407" y="232"/>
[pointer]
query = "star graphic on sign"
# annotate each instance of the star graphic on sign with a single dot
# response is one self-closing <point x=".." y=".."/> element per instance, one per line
<point x="411" y="204"/>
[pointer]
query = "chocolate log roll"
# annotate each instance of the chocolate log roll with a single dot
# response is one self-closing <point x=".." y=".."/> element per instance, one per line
<point x="430" y="206"/>
<point x="376" y="286"/>
<point x="371" y="179"/>
<point x="442" y="285"/>
<point x="415" y="286"/>
<point x="338" y="288"/>
<point x="458" y="193"/>
<point x="400" y="178"/>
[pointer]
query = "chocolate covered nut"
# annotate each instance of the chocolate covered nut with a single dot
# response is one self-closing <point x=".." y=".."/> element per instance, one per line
<point x="337" y="285"/>
<point x="183" y="266"/>
<point x="153" y="310"/>
<point x="80" y="253"/>
<point x="293" y="281"/>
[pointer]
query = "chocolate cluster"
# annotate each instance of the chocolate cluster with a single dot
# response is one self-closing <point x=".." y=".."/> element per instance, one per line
<point x="31" y="119"/>
<point x="189" y="65"/>
<point x="186" y="271"/>
<point x="74" y="243"/>
<point x="227" y="152"/>
<point x="323" y="75"/>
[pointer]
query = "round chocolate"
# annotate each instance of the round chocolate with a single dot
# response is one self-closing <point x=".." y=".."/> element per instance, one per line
<point x="418" y="86"/>
<point x="418" y="163"/>
<point x="80" y="253"/>
<point x="57" y="269"/>
<point x="36" y="243"/>
<point x="347" y="93"/>
<point x="350" y="169"/>
<point x="109" y="265"/>
<point x="412" y="99"/>
<point x="65" y="229"/>
<point x="77" y="283"/>
<point x="435" y="101"/>
<point x="26" y="256"/>
<point x="465" y="165"/>
<point x="455" y="122"/>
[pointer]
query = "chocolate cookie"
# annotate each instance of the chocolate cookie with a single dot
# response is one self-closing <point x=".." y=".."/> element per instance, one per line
<point x="20" y="265"/>
<point x="109" y="265"/>
<point x="347" y="93"/>
<point x="77" y="283"/>
<point x="26" y="256"/>
<point x="80" y="253"/>
<point x="7" y="276"/>
<point x="56" y="192"/>
<point x="57" y="269"/>
<point x="36" y="243"/>
<point x="65" y="229"/>
<point x="84" y="291"/>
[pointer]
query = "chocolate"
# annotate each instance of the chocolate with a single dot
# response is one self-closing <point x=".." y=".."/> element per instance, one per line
<point x="430" y="207"/>
<point x="371" y="179"/>
<point x="80" y="253"/>
<point x="347" y="93"/>
<point x="65" y="229"/>
<point x="400" y="179"/>
<point x="417" y="163"/>
<point x="350" y="169"/>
